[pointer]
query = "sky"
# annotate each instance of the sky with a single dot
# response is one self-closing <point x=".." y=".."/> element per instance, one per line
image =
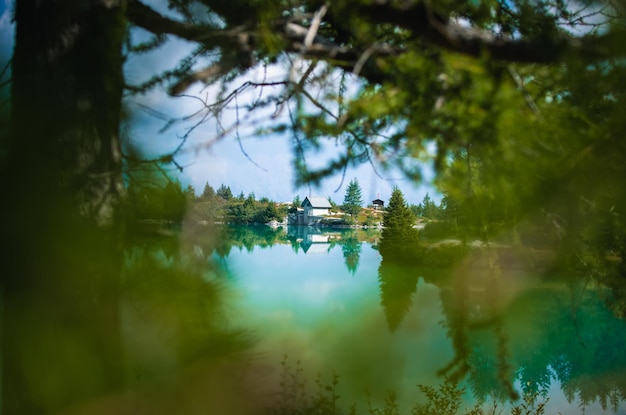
<point x="262" y="166"/>
<point x="6" y="32"/>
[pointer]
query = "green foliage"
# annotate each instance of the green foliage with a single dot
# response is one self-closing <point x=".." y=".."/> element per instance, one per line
<point x="371" y="219"/>
<point x="251" y="211"/>
<point x="398" y="217"/>
<point x="429" y="208"/>
<point x="399" y="240"/>
<point x="417" y="210"/>
<point x="399" y="235"/>
<point x="291" y="398"/>
<point x="220" y="206"/>
<point x="151" y="199"/>
<point x="295" y="204"/>
<point x="451" y="212"/>
<point x="325" y="398"/>
<point x="390" y="407"/>
<point x="224" y="192"/>
<point x="352" y="200"/>
<point x="333" y="205"/>
<point x="523" y="123"/>
<point x="523" y="134"/>
<point x="451" y="221"/>
<point x="445" y="400"/>
<point x="183" y="296"/>
<point x="351" y="249"/>
<point x="439" y="230"/>
<point x="208" y="193"/>
<point x="397" y="287"/>
<point x="246" y="237"/>
<point x="271" y="212"/>
<point x="532" y="404"/>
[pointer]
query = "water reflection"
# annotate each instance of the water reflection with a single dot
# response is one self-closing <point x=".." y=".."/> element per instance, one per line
<point x="396" y="291"/>
<point x="305" y="239"/>
<point x="338" y="302"/>
<point x="351" y="248"/>
<point x="181" y="349"/>
<point x="471" y="326"/>
<point x="515" y="332"/>
<point x="510" y="332"/>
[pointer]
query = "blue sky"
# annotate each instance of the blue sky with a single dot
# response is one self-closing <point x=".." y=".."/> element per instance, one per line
<point x="267" y="168"/>
<point x="6" y="31"/>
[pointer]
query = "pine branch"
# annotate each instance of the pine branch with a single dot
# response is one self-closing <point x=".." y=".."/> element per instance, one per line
<point x="416" y="17"/>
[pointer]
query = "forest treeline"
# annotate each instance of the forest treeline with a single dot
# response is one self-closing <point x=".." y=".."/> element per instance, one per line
<point x="517" y="105"/>
<point x="170" y="201"/>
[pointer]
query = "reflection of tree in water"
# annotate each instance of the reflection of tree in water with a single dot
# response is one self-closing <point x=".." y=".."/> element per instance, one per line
<point x="351" y="248"/>
<point x="398" y="248"/>
<point x="539" y="336"/>
<point x="546" y="332"/>
<point x="247" y="237"/>
<point x="300" y="238"/>
<point x="535" y="335"/>
<point x="175" y="318"/>
<point x="585" y="354"/>
<point x="397" y="285"/>
<point x="472" y="306"/>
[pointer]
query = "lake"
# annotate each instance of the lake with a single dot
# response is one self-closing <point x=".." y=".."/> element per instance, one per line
<point x="332" y="319"/>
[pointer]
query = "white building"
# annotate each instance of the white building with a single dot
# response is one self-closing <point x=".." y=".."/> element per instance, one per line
<point x="315" y="206"/>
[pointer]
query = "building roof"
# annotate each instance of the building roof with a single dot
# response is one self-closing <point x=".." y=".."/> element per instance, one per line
<point x="318" y="202"/>
<point x="378" y="202"/>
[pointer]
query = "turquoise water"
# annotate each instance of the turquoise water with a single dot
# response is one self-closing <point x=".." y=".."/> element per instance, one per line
<point x="323" y="299"/>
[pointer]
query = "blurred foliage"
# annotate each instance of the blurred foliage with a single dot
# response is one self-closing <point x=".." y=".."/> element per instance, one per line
<point x="446" y="398"/>
<point x="165" y="200"/>
<point x="550" y="331"/>
<point x="518" y="106"/>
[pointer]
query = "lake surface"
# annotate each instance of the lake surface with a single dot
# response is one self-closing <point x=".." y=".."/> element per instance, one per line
<point x="330" y="303"/>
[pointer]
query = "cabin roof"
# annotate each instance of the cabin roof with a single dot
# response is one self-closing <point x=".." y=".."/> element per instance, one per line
<point x="317" y="202"/>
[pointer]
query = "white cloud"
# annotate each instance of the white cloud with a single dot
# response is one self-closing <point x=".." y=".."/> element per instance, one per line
<point x="223" y="161"/>
<point x="267" y="171"/>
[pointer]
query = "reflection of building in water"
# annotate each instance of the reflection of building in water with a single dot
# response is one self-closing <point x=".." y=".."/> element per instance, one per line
<point x="316" y="244"/>
<point x="312" y="240"/>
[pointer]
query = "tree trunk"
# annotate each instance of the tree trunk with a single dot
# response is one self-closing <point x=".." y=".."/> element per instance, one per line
<point x="61" y="186"/>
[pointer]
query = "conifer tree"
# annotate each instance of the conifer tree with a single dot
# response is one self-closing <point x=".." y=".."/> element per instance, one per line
<point x="352" y="201"/>
<point x="296" y="201"/>
<point x="429" y="208"/>
<point x="399" y="236"/>
<point x="449" y="72"/>
<point x="271" y="213"/>
<point x="208" y="192"/>
<point x="224" y="192"/>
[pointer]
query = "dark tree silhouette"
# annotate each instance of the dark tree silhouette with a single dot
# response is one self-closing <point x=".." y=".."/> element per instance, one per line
<point x="60" y="221"/>
<point x="397" y="286"/>
<point x="526" y="115"/>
